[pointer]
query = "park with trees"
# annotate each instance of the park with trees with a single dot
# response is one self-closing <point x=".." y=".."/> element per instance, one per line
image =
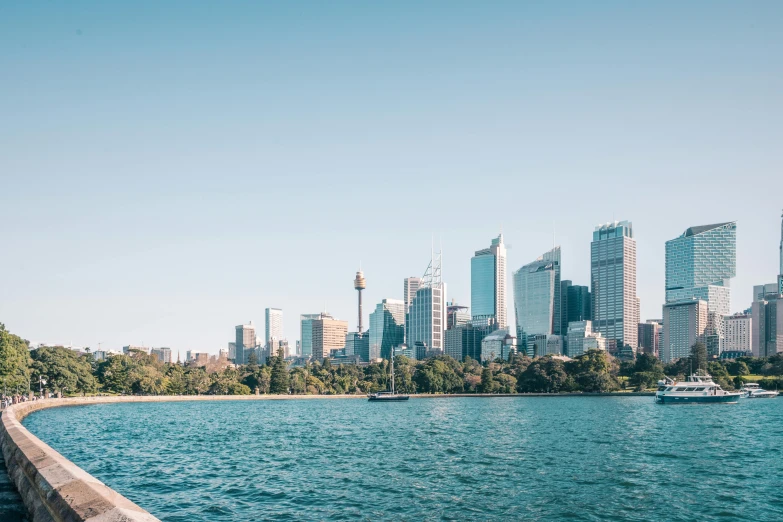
<point x="68" y="372"/>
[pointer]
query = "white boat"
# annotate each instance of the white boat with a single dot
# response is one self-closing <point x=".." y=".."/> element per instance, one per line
<point x="696" y="389"/>
<point x="752" y="390"/>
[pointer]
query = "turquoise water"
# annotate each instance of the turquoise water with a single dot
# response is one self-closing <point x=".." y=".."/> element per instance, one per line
<point x="559" y="458"/>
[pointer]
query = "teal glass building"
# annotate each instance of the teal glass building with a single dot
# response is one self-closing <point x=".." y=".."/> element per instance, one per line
<point x="387" y="328"/>
<point x="536" y="286"/>
<point x="488" y="283"/>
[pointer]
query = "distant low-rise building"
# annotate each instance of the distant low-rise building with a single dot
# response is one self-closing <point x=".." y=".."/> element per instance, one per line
<point x="500" y="344"/>
<point x="582" y="338"/>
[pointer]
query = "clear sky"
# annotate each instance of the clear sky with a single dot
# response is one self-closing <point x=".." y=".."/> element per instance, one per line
<point x="170" y="169"/>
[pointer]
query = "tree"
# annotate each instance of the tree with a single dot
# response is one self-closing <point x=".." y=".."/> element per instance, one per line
<point x="699" y="356"/>
<point x="543" y="375"/>
<point x="14" y="360"/>
<point x="592" y="372"/>
<point x="279" y="382"/>
<point x="65" y="369"/>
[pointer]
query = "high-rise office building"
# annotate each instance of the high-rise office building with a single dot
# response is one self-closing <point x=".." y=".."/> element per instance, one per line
<point x="767" y="327"/>
<point x="328" y="334"/>
<point x="764" y="292"/>
<point x="245" y="342"/>
<point x="387" y="328"/>
<point x="615" y="306"/>
<point x="456" y="315"/>
<point x="274" y="325"/>
<point x="163" y="354"/>
<point x="410" y="286"/>
<point x="685" y="324"/>
<point x="738" y="336"/>
<point x="426" y="319"/>
<point x="232" y="351"/>
<point x="488" y="283"/>
<point x="699" y="265"/>
<point x="649" y="337"/>
<point x="465" y="340"/>
<point x="306" y="333"/>
<point x="536" y="287"/>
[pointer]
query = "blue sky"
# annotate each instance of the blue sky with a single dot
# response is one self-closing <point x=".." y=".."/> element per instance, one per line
<point x="168" y="170"/>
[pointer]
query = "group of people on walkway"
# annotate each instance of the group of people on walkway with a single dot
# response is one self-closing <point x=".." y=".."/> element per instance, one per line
<point x="8" y="400"/>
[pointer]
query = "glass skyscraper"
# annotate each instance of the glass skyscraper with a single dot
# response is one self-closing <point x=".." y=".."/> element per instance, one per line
<point x="699" y="265"/>
<point x="488" y="283"/>
<point x="615" y="306"/>
<point x="387" y="328"/>
<point x="535" y="292"/>
<point x="306" y="334"/>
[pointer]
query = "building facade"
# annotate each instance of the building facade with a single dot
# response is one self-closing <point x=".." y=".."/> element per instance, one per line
<point x="274" y="324"/>
<point x="387" y="328"/>
<point x="699" y="265"/>
<point x="738" y="333"/>
<point x="425" y="322"/>
<point x="245" y="341"/>
<point x="685" y="324"/>
<point x="499" y="344"/>
<point x="456" y="315"/>
<point x="306" y="333"/>
<point x="328" y="335"/>
<point x="650" y="337"/>
<point x="615" y="305"/>
<point x="582" y="338"/>
<point x="410" y="287"/>
<point x="465" y="341"/>
<point x="488" y="283"/>
<point x="163" y="354"/>
<point x="535" y="286"/>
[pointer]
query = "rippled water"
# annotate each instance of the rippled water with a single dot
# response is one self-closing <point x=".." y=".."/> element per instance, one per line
<point x="559" y="458"/>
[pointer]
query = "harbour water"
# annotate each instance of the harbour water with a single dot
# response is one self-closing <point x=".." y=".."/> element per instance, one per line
<point x="551" y="458"/>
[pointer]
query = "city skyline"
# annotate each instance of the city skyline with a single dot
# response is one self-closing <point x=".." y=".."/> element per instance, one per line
<point x="145" y="197"/>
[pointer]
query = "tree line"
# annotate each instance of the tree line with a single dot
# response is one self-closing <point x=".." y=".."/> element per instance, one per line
<point x="138" y="373"/>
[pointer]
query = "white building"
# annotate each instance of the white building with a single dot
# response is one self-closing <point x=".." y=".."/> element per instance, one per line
<point x="738" y="330"/>
<point x="500" y="344"/>
<point x="426" y="322"/>
<point x="274" y="324"/>
<point x="613" y="284"/>
<point x="582" y="338"/>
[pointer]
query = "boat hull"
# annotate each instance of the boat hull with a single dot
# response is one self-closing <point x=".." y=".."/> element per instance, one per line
<point x="388" y="398"/>
<point x="704" y="399"/>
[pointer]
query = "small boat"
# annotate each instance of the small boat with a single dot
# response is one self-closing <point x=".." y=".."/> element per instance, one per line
<point x="696" y="389"/>
<point x="752" y="390"/>
<point x="387" y="396"/>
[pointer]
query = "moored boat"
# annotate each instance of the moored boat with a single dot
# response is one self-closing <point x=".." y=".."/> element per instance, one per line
<point x="696" y="389"/>
<point x="388" y="396"/>
<point x="752" y="390"/>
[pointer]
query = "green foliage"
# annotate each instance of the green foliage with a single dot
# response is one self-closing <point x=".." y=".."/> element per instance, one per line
<point x="64" y="370"/>
<point x="543" y="375"/>
<point x="14" y="361"/>
<point x="279" y="376"/>
<point x="593" y="372"/>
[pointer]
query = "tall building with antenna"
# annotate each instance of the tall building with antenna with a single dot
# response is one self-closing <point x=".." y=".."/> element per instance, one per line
<point x="426" y="320"/>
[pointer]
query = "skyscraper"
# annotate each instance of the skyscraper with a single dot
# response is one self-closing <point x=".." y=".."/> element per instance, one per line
<point x="649" y="337"/>
<point x="534" y="297"/>
<point x="274" y="325"/>
<point x="780" y="272"/>
<point x="699" y="265"/>
<point x="456" y="315"/>
<point x="685" y="324"/>
<point x="245" y="342"/>
<point x="306" y="334"/>
<point x="411" y="285"/>
<point x="387" y="328"/>
<point x="615" y="307"/>
<point x="488" y="283"/>
<point x="426" y="318"/>
<point x="328" y="334"/>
